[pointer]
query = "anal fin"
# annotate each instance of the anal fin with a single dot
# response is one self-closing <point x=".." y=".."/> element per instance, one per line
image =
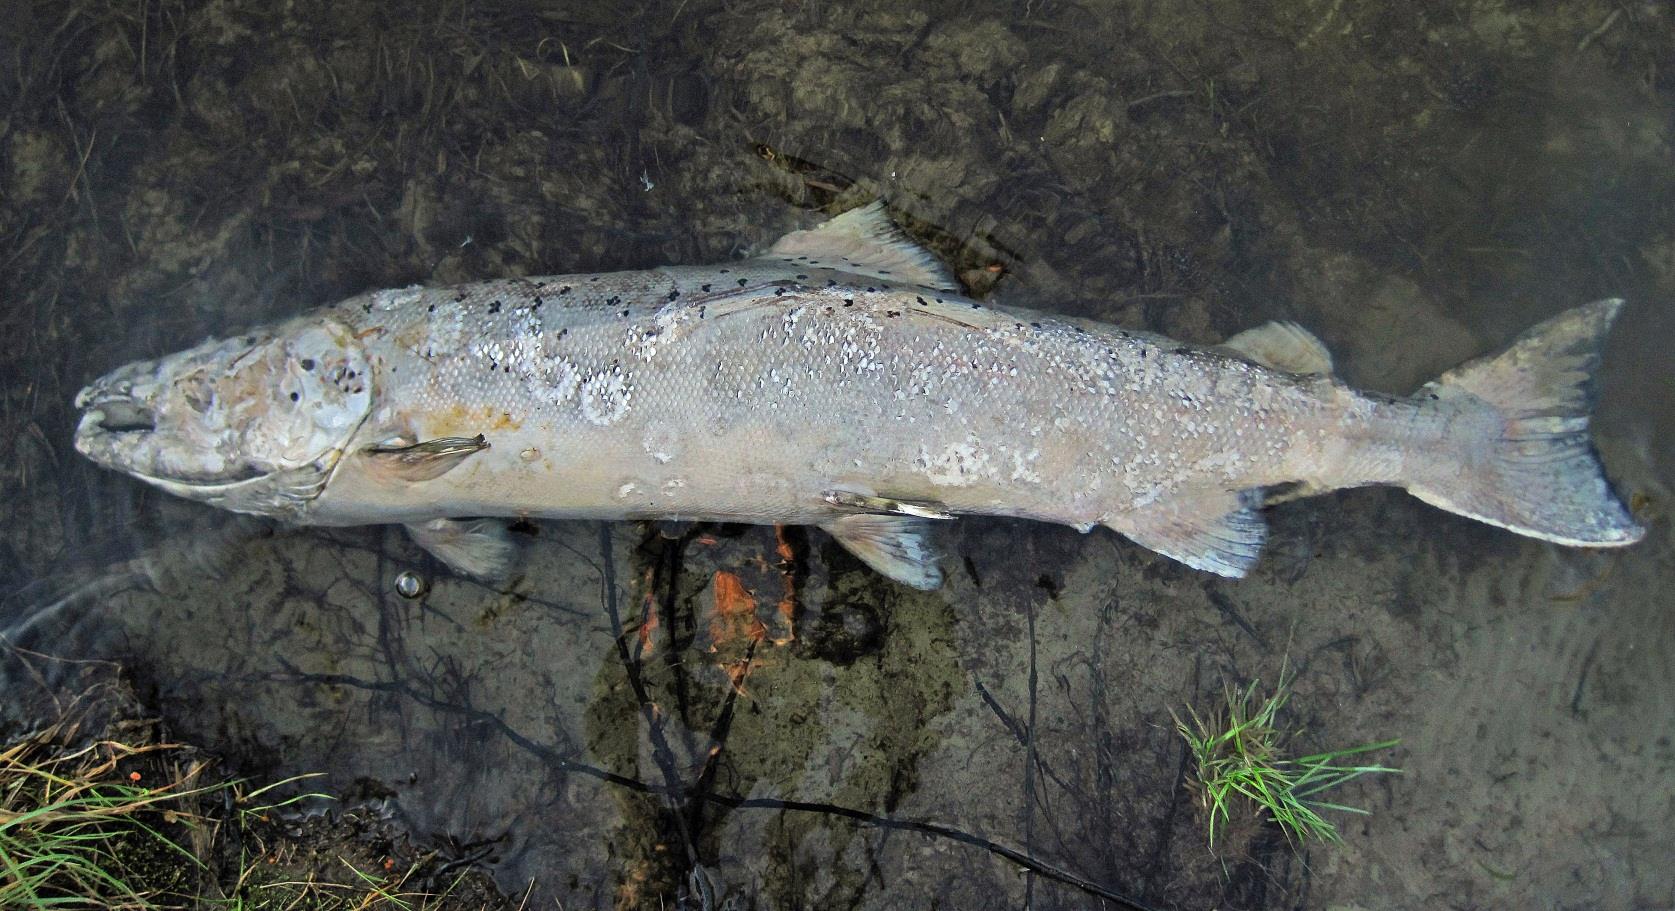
<point x="896" y="546"/>
<point x="481" y="548"/>
<point x="1220" y="533"/>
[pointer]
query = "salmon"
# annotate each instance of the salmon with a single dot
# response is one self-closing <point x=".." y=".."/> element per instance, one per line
<point x="839" y="379"/>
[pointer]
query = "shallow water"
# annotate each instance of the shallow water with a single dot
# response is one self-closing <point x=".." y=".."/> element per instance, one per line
<point x="1417" y="183"/>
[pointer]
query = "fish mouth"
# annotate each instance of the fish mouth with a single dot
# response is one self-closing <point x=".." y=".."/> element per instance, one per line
<point x="119" y="416"/>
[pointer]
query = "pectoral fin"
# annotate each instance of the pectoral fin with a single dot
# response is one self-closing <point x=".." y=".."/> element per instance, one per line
<point x="421" y="461"/>
<point x="896" y="546"/>
<point x="1283" y="346"/>
<point x="1220" y="533"/>
<point x="473" y="547"/>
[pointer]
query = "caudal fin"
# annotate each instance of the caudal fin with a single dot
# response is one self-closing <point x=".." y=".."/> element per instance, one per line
<point x="1525" y="461"/>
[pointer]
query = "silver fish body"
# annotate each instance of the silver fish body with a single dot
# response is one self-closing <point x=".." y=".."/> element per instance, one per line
<point x="841" y="381"/>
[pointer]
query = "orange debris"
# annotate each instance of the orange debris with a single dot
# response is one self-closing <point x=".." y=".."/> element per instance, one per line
<point x="735" y="612"/>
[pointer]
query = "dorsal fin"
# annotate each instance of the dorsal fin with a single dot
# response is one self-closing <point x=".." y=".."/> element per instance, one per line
<point x="864" y="241"/>
<point x="1282" y="345"/>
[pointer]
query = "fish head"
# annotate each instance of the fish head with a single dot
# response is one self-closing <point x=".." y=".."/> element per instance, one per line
<point x="253" y="423"/>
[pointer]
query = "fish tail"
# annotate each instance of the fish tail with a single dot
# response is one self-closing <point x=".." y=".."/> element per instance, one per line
<point x="1524" y="460"/>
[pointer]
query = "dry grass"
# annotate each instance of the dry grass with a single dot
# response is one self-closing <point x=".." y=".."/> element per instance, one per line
<point x="103" y="814"/>
<point x="83" y="827"/>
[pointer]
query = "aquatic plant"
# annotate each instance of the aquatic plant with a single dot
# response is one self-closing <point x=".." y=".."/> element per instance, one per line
<point x="1238" y="757"/>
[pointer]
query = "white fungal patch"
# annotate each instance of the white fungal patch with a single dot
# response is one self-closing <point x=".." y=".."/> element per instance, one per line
<point x="662" y="443"/>
<point x="604" y="396"/>
<point x="626" y="490"/>
<point x="396" y="298"/>
<point x="447" y="328"/>
<point x="958" y="465"/>
<point x="642" y="342"/>
<point x="530" y="455"/>
<point x="555" y="381"/>
<point x="1021" y="466"/>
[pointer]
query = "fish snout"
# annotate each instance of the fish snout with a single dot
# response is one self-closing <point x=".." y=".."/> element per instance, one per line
<point x="119" y="413"/>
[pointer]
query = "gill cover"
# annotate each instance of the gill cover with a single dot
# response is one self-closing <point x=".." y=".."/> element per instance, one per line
<point x="253" y="424"/>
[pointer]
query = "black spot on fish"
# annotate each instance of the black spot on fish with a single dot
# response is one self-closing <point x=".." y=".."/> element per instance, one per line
<point x="1142" y="354"/>
<point x="294" y="396"/>
<point x="1080" y="330"/>
<point x="306" y="363"/>
<point x="563" y="332"/>
<point x="742" y="283"/>
<point x="921" y="302"/>
<point x="831" y="282"/>
<point x="849" y="302"/>
<point x="1034" y="325"/>
<point x="802" y="278"/>
<point x="593" y="278"/>
<point x="704" y="288"/>
<point x="541" y="284"/>
<point x="778" y="291"/>
<point x="431" y="309"/>
<point x="1183" y="350"/>
<point x="892" y="313"/>
<point x="674" y="294"/>
<point x="564" y="289"/>
<point x="624" y="312"/>
<point x="459" y="298"/>
<point x="365" y="308"/>
<point x="537" y="305"/>
<point x="725" y="271"/>
<point x="872" y="290"/>
<point x="494" y="306"/>
<point x="973" y="306"/>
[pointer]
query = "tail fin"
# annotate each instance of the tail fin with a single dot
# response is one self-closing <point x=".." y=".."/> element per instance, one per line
<point x="1528" y="464"/>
